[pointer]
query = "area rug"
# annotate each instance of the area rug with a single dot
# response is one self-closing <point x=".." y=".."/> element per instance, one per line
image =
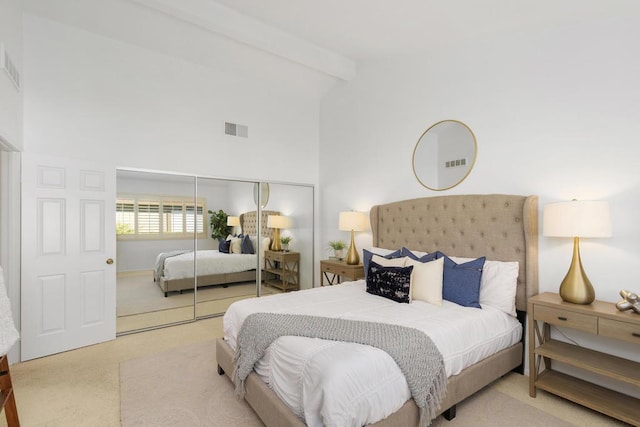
<point x="182" y="387"/>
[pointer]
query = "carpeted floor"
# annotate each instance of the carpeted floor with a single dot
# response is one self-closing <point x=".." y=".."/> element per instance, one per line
<point x="138" y="293"/>
<point x="181" y="387"/>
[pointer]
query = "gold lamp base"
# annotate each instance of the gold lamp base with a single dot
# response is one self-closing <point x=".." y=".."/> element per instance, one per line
<point x="352" y="255"/>
<point x="576" y="287"/>
<point x="275" y="244"/>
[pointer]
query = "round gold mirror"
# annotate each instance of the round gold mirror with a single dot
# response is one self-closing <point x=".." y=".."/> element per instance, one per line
<point x="261" y="193"/>
<point x="444" y="155"/>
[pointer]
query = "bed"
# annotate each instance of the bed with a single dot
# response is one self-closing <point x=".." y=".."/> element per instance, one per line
<point x="500" y="227"/>
<point x="174" y="270"/>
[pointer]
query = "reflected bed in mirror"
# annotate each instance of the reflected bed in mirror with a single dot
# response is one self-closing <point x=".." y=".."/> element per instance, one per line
<point x="444" y="155"/>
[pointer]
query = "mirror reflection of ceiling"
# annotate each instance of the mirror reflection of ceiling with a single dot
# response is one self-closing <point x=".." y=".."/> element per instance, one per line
<point x="444" y="155"/>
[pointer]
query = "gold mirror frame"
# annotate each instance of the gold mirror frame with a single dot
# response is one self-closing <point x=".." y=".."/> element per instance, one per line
<point x="264" y="194"/>
<point x="417" y="169"/>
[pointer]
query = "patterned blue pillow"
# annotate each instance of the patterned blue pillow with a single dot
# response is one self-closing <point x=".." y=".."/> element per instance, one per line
<point x="367" y="255"/>
<point x="393" y="283"/>
<point x="424" y="258"/>
<point x="247" y="246"/>
<point x="461" y="282"/>
<point x="224" y="246"/>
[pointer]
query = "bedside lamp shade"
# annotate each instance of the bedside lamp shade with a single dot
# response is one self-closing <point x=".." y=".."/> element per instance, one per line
<point x="277" y="222"/>
<point x="352" y="221"/>
<point x="233" y="221"/>
<point x="577" y="219"/>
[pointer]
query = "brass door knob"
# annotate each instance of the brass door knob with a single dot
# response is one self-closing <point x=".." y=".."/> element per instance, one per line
<point x="109" y="261"/>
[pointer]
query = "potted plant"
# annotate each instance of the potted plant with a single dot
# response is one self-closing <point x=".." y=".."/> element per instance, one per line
<point x="285" y="242"/>
<point x="338" y="248"/>
<point x="218" y="223"/>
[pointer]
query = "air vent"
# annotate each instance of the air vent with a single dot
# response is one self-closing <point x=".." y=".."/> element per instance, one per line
<point x="455" y="163"/>
<point x="234" y="129"/>
<point x="9" y="67"/>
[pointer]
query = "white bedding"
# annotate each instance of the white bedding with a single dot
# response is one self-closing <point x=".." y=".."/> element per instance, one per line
<point x="209" y="262"/>
<point x="361" y="384"/>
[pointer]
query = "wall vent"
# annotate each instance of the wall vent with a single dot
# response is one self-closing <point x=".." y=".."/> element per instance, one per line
<point x="455" y="163"/>
<point x="235" y="129"/>
<point x="9" y="67"/>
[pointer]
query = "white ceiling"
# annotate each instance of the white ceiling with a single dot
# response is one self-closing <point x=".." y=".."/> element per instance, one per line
<point x="375" y="29"/>
<point x="327" y="38"/>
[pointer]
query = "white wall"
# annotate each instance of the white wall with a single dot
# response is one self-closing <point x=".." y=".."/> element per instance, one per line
<point x="556" y="113"/>
<point x="87" y="96"/>
<point x="10" y="96"/>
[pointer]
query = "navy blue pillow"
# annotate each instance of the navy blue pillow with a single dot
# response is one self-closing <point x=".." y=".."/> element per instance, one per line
<point x="461" y="282"/>
<point x="224" y="246"/>
<point x="367" y="255"/>
<point x="247" y="246"/>
<point x="424" y="258"/>
<point x="393" y="283"/>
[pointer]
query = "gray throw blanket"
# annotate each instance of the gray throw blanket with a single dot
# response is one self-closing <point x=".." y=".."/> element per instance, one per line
<point x="159" y="270"/>
<point x="414" y="352"/>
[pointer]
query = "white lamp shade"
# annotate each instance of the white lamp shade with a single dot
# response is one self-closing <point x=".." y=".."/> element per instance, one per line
<point x="577" y="219"/>
<point x="356" y="221"/>
<point x="278" y="221"/>
<point x="233" y="221"/>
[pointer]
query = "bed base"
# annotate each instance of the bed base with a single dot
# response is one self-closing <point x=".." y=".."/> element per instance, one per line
<point x="274" y="413"/>
<point x="212" y="279"/>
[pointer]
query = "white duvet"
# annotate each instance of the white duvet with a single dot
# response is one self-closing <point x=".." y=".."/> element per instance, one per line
<point x="208" y="262"/>
<point x="344" y="384"/>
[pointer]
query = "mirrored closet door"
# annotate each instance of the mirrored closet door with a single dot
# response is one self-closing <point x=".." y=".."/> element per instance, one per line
<point x="159" y="220"/>
<point x="188" y="247"/>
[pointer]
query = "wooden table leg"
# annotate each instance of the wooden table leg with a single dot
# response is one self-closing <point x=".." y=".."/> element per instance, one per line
<point x="7" y="398"/>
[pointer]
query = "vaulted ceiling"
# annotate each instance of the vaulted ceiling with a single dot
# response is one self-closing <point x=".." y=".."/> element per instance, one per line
<point x="326" y="38"/>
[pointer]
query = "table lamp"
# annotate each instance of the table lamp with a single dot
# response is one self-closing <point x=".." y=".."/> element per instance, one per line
<point x="577" y="219"/>
<point x="352" y="221"/>
<point x="233" y="221"/>
<point x="276" y="222"/>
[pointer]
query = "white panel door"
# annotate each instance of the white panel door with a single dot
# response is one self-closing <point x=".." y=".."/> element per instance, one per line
<point x="68" y="244"/>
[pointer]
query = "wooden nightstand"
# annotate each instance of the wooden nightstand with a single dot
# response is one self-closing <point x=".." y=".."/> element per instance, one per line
<point x="286" y="266"/>
<point x="599" y="318"/>
<point x="340" y="270"/>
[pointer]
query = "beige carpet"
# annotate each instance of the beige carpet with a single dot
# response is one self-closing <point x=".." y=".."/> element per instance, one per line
<point x="181" y="387"/>
<point x="138" y="293"/>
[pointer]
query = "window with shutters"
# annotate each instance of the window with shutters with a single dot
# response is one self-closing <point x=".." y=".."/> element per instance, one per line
<point x="159" y="217"/>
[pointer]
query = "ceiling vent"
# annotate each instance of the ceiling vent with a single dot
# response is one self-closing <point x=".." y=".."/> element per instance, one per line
<point x="234" y="129"/>
<point x="9" y="67"/>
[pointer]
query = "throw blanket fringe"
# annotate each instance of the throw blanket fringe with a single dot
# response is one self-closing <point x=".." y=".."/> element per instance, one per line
<point x="416" y="355"/>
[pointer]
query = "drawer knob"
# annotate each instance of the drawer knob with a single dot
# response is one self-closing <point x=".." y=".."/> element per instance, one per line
<point x="562" y="318"/>
<point x="635" y="334"/>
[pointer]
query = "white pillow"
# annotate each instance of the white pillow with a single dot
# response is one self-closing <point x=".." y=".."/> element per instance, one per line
<point x="381" y="251"/>
<point x="265" y="244"/>
<point x="417" y="254"/>
<point x="236" y="246"/>
<point x="499" y="284"/>
<point x="426" y="280"/>
<point x="394" y="262"/>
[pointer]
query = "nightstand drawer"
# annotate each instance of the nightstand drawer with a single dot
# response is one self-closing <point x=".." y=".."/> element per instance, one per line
<point x="619" y="330"/>
<point x="336" y="269"/>
<point x="560" y="317"/>
<point x="276" y="256"/>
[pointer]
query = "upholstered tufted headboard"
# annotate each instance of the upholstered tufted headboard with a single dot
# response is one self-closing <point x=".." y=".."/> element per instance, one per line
<point x="249" y="223"/>
<point x="500" y="227"/>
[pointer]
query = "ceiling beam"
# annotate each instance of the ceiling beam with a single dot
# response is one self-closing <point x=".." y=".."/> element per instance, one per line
<point x="229" y="23"/>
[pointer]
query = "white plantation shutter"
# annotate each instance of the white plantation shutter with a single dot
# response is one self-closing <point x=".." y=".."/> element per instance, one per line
<point x="148" y="217"/>
<point x="125" y="216"/>
<point x="172" y="217"/>
<point x="159" y="217"/>
<point x="194" y="216"/>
